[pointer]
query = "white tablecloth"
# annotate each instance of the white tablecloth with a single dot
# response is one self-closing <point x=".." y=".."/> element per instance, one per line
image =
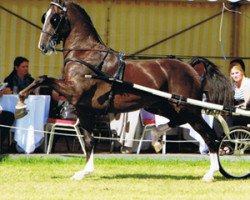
<point x="128" y="127"/>
<point x="25" y="135"/>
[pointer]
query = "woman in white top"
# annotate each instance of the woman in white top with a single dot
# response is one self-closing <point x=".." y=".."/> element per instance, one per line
<point x="241" y="87"/>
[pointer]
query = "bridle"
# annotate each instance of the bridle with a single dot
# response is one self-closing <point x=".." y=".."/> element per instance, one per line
<point x="64" y="9"/>
<point x="56" y="21"/>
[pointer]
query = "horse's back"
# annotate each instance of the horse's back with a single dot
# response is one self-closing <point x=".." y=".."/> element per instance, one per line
<point x="169" y="75"/>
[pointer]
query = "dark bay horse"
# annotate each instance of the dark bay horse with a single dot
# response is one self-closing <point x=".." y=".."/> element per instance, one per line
<point x="85" y="53"/>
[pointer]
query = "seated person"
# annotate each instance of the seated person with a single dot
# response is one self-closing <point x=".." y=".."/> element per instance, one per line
<point x="6" y="119"/>
<point x="241" y="87"/>
<point x="19" y="78"/>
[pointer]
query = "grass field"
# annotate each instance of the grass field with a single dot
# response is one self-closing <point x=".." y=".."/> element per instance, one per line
<point x="114" y="178"/>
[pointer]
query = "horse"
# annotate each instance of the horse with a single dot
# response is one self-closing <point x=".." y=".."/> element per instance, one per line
<point x="86" y="54"/>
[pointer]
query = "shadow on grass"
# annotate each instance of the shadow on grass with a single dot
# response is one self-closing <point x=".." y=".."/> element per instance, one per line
<point x="148" y="176"/>
<point x="60" y="177"/>
<point x="151" y="176"/>
<point x="160" y="176"/>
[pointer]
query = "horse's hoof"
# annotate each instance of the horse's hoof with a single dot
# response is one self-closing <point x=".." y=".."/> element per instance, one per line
<point x="21" y="106"/>
<point x="207" y="178"/>
<point x="157" y="146"/>
<point x="80" y="175"/>
<point x="20" y="112"/>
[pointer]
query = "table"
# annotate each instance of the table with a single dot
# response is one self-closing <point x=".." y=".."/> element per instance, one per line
<point x="29" y="130"/>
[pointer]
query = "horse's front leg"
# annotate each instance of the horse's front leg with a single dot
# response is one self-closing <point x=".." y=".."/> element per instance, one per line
<point x="21" y="107"/>
<point x="87" y="123"/>
<point x="88" y="169"/>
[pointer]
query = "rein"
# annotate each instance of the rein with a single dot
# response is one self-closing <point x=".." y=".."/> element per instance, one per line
<point x="86" y="49"/>
<point x="95" y="69"/>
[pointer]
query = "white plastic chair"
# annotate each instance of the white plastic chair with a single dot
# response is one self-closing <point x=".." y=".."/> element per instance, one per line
<point x="148" y="122"/>
<point x="54" y="124"/>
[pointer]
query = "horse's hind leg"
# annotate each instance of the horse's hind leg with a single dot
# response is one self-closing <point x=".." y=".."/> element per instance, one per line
<point x="156" y="133"/>
<point x="87" y="123"/>
<point x="209" y="136"/>
<point x="167" y="110"/>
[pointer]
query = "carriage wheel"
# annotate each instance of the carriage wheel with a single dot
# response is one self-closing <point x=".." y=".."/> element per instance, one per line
<point x="234" y="153"/>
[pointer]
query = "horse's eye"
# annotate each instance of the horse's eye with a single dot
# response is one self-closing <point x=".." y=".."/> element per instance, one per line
<point x="55" y="20"/>
<point x="43" y="18"/>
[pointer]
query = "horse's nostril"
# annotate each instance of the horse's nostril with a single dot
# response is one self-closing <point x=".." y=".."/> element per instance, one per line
<point x="43" y="48"/>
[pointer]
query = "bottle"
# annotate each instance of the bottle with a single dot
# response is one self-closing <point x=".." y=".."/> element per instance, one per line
<point x="15" y="90"/>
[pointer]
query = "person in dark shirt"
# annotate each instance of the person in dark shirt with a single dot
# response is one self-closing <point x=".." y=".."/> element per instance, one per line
<point x="19" y="78"/>
<point x="6" y="120"/>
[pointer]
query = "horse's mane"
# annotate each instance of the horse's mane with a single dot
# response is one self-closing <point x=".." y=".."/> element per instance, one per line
<point x="87" y="20"/>
<point x="216" y="85"/>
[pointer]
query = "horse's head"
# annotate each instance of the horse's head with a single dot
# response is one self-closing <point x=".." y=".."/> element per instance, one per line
<point x="55" y="26"/>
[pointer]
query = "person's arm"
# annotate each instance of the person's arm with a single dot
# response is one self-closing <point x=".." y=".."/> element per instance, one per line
<point x="10" y="83"/>
<point x="5" y="91"/>
<point x="247" y="98"/>
<point x="247" y="93"/>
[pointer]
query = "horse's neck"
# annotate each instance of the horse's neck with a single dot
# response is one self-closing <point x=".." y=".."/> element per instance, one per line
<point x="90" y="51"/>
<point x="87" y="47"/>
<point x="79" y="41"/>
<point x="82" y="48"/>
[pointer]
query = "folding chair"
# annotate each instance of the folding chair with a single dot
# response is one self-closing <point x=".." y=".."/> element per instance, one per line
<point x="148" y="122"/>
<point x="102" y="129"/>
<point x="54" y="124"/>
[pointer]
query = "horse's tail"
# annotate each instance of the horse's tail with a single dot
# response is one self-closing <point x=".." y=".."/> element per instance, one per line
<point x="215" y="84"/>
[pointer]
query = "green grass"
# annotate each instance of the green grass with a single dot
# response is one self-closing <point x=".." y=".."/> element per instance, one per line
<point x="49" y="178"/>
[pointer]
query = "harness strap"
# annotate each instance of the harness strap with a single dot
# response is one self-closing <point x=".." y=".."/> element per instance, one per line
<point x="90" y="66"/>
<point x="121" y="67"/>
<point x="99" y="66"/>
<point x="64" y="9"/>
<point x="97" y="70"/>
<point x="119" y="76"/>
<point x="110" y="99"/>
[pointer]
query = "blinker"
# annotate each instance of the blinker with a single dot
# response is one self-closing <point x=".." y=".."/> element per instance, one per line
<point x="54" y="20"/>
<point x="43" y="18"/>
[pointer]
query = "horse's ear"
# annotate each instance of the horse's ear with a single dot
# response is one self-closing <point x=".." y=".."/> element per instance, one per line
<point x="61" y="2"/>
